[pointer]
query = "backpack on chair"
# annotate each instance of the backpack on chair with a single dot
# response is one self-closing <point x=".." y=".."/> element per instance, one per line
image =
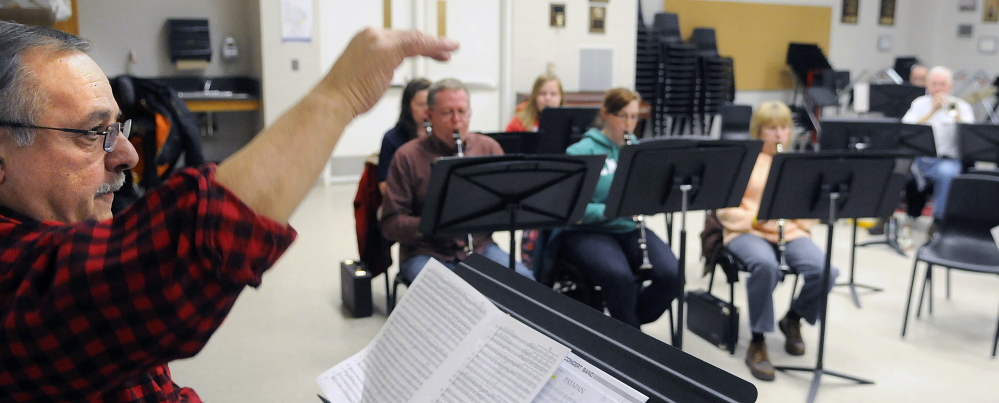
<point x="163" y="131"/>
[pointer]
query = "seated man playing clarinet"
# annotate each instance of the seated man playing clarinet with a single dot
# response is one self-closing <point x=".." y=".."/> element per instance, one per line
<point x="409" y="178"/>
<point x="754" y="242"/>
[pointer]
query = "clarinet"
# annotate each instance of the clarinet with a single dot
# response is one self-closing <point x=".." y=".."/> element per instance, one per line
<point x="460" y="144"/>
<point x="643" y="244"/>
<point x="781" y="242"/>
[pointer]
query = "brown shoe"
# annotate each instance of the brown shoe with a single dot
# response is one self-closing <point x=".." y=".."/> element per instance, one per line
<point x="759" y="362"/>
<point x="794" y="345"/>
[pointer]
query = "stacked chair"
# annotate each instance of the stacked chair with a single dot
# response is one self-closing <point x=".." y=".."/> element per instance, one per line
<point x="646" y="61"/>
<point x="715" y="78"/>
<point x="684" y="82"/>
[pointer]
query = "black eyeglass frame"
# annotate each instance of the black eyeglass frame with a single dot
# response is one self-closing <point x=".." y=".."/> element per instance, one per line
<point x="117" y="128"/>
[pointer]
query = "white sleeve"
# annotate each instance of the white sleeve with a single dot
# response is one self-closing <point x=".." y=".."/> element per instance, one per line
<point x="967" y="112"/>
<point x="914" y="112"/>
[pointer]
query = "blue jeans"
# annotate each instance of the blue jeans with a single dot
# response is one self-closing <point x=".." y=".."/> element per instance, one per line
<point x="412" y="266"/>
<point x="610" y="260"/>
<point x="939" y="172"/>
<point x="764" y="274"/>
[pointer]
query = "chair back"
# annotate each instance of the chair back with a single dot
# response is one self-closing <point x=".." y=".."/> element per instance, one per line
<point x="666" y="27"/>
<point x="972" y="201"/>
<point x="735" y="121"/>
<point x="704" y="39"/>
<point x="964" y="235"/>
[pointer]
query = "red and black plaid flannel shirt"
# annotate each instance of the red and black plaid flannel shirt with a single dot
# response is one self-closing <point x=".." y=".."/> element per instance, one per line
<point x="93" y="311"/>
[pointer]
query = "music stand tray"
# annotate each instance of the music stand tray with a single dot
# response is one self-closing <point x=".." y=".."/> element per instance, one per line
<point x="516" y="142"/>
<point x="978" y="142"/>
<point x="678" y="175"/>
<point x="917" y="139"/>
<point x="829" y="185"/>
<point x="509" y="192"/>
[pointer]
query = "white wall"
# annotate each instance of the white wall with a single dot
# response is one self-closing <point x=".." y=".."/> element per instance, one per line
<point x="281" y="84"/>
<point x="117" y="26"/>
<point x="536" y="44"/>
<point x="923" y="28"/>
<point x="480" y="63"/>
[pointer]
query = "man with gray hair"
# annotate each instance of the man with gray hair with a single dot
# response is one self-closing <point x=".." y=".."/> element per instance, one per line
<point x="409" y="178"/>
<point x="942" y="111"/>
<point x="93" y="307"/>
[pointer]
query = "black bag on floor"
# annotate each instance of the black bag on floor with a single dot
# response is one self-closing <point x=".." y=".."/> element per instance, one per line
<point x="712" y="319"/>
<point x="355" y="288"/>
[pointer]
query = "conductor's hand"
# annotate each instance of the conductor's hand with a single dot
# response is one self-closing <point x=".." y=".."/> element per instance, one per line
<point x="363" y="72"/>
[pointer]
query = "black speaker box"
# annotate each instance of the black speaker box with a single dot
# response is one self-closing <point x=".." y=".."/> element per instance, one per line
<point x="355" y="288"/>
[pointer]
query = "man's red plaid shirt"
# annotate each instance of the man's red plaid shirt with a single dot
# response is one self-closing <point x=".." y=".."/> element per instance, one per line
<point x="94" y="311"/>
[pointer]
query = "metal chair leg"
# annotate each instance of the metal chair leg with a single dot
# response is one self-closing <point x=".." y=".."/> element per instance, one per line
<point x="908" y="297"/>
<point x="388" y="293"/>
<point x="995" y="339"/>
<point x="948" y="284"/>
<point x="794" y="290"/>
<point x="927" y="282"/>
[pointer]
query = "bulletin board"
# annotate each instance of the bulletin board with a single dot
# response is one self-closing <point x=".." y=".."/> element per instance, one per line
<point x="756" y="35"/>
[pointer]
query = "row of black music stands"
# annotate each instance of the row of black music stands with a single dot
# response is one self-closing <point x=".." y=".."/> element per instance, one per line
<point x="513" y="192"/>
<point x="976" y="142"/>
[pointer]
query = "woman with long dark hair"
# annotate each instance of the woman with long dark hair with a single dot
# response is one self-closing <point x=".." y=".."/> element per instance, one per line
<point x="411" y="124"/>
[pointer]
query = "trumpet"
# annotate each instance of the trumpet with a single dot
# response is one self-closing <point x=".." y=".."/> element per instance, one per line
<point x="460" y="144"/>
<point x="781" y="242"/>
<point x="643" y="244"/>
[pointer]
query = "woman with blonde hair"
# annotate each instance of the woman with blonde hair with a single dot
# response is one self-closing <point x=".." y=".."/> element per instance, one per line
<point x="755" y="242"/>
<point x="547" y="91"/>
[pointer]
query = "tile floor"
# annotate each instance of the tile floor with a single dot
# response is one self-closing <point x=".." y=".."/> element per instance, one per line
<point x="279" y="337"/>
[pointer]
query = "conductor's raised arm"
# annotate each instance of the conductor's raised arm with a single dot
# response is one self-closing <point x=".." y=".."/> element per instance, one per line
<point x="275" y="170"/>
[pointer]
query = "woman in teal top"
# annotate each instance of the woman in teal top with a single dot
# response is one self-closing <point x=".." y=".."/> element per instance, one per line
<point x="607" y="248"/>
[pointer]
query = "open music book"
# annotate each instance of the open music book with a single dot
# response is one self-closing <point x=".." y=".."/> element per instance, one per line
<point x="446" y="342"/>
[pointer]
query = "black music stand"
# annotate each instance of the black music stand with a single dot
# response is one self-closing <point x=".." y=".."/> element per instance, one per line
<point x="893" y="100"/>
<point x="679" y="175"/>
<point x="978" y="142"/>
<point x="509" y="192"/>
<point x="663" y="373"/>
<point x="917" y="140"/>
<point x="829" y="185"/>
<point x="876" y="135"/>
<point x="516" y="142"/>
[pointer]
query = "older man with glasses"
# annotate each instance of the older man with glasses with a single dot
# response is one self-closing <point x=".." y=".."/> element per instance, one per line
<point x="409" y="178"/>
<point x="93" y="307"/>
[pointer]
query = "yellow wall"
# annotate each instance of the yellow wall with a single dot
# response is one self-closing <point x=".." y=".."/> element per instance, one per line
<point x="756" y="35"/>
<point x="71" y="25"/>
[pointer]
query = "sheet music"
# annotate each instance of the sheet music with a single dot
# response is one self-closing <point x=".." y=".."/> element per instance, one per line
<point x="577" y="381"/>
<point x="446" y="342"/>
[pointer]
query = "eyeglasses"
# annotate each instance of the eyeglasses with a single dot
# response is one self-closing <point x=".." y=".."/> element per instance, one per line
<point x="451" y="112"/>
<point x="110" y="133"/>
<point x="626" y="116"/>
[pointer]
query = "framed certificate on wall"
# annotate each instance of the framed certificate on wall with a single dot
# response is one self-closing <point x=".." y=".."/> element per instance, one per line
<point x="850" y="11"/>
<point x="887" y="15"/>
<point x="990" y="11"/>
